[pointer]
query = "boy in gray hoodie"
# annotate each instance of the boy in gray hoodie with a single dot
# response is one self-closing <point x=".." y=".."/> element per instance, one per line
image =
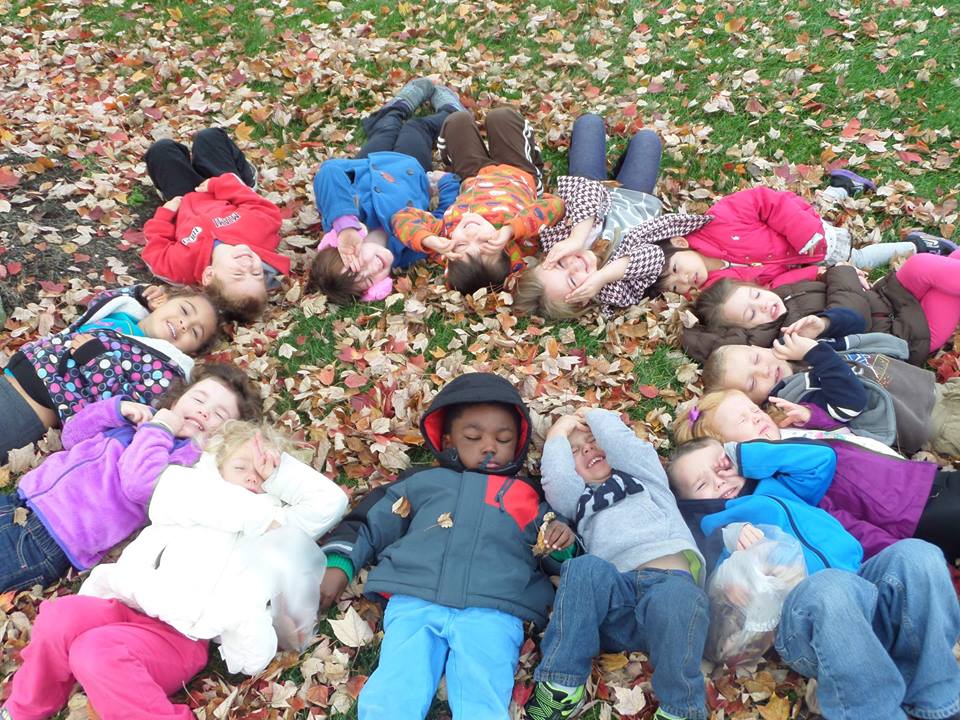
<point x="638" y="589"/>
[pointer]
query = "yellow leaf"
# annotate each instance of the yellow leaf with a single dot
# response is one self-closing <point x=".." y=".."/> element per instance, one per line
<point x="175" y="13"/>
<point x="541" y="548"/>
<point x="777" y="709"/>
<point x="445" y="520"/>
<point x="4" y="476"/>
<point x="20" y="516"/>
<point x="401" y="507"/>
<point x="243" y="131"/>
<point x="611" y="662"/>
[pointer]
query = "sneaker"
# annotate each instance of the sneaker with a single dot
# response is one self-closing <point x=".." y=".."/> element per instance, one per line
<point x="663" y="715"/>
<point x="551" y="703"/>
<point x="927" y="243"/>
<point x="414" y="94"/>
<point x="446" y="97"/>
<point x="851" y="182"/>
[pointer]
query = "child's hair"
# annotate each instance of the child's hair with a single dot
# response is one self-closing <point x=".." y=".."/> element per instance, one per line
<point x="231" y="377"/>
<point x="235" y="433"/>
<point x="714" y="369"/>
<point x="695" y="419"/>
<point x="709" y="305"/>
<point x="241" y="309"/>
<point x="187" y="292"/>
<point x="452" y="412"/>
<point x="659" y="286"/>
<point x="530" y="299"/>
<point x="471" y="274"/>
<point x="327" y="274"/>
<point x="684" y="450"/>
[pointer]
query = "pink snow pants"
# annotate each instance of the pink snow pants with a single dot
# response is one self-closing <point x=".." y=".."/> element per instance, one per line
<point x="935" y="281"/>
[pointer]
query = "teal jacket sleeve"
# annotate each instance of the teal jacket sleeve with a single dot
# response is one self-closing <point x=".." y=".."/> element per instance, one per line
<point x="805" y="468"/>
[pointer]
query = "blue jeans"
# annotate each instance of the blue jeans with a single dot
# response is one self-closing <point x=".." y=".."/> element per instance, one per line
<point x="637" y="168"/>
<point x="28" y="555"/>
<point x="477" y="647"/>
<point x="880" y="642"/>
<point x="660" y="612"/>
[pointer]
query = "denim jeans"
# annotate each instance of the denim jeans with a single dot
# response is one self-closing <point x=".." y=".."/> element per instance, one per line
<point x="638" y="167"/>
<point x="392" y="129"/>
<point x="28" y="555"/>
<point x="880" y="642"/>
<point x="660" y="612"/>
<point x="478" y="648"/>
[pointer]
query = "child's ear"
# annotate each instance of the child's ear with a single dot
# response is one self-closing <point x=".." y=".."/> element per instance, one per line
<point x="206" y="277"/>
<point x="679" y="241"/>
<point x="445" y="441"/>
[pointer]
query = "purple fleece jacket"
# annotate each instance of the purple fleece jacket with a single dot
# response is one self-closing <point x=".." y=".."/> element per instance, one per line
<point x="95" y="492"/>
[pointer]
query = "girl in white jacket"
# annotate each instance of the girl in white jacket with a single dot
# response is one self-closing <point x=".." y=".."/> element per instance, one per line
<point x="232" y="560"/>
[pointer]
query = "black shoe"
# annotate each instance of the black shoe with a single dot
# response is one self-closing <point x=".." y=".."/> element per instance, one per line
<point x="927" y="243"/>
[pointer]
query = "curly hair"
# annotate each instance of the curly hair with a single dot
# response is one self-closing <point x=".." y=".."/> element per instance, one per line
<point x="529" y="298"/>
<point x="471" y="274"/>
<point x="243" y="309"/>
<point x="328" y="275"/>
<point x="231" y="377"/>
<point x="233" y="434"/>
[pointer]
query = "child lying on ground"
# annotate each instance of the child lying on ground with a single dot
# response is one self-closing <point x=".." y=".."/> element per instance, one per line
<point x="879" y="499"/>
<point x="358" y="198"/>
<point x="864" y="384"/>
<point x="132" y="341"/>
<point x="139" y="629"/>
<point x="495" y="220"/>
<point x="214" y="230"/>
<point x="453" y="547"/>
<point x="82" y="501"/>
<point x="638" y="589"/>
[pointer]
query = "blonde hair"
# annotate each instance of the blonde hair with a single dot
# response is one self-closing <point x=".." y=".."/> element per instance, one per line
<point x="715" y="368"/>
<point x="236" y="433"/>
<point x="703" y="425"/>
<point x="529" y="298"/>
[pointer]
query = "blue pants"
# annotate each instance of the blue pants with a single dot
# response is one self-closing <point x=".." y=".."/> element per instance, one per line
<point x="637" y="168"/>
<point x="28" y="555"/>
<point x="880" y="642"/>
<point x="477" y="647"/>
<point x="660" y="612"/>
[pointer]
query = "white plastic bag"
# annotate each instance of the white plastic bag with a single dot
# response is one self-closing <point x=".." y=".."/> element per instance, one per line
<point x="747" y="593"/>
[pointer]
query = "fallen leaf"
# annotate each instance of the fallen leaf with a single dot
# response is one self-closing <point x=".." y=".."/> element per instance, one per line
<point x="629" y="702"/>
<point x="541" y="549"/>
<point x="20" y="516"/>
<point x="401" y="507"/>
<point x="352" y="630"/>
<point x="445" y="520"/>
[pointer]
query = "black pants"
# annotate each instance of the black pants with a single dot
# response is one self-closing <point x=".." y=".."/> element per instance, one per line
<point x="391" y="129"/>
<point x="940" y="520"/>
<point x="174" y="172"/>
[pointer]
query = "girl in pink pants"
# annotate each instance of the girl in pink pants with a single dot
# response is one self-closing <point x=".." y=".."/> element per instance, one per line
<point x="128" y="663"/>
<point x="935" y="281"/>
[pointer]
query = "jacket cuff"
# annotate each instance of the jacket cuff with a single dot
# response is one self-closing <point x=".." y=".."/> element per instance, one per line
<point x="341" y="563"/>
<point x="345" y="222"/>
<point x="88" y="351"/>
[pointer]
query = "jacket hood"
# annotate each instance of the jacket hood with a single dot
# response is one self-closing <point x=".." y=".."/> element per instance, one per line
<point x="471" y="389"/>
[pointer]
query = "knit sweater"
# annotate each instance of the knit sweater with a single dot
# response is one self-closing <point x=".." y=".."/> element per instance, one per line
<point x="632" y="517"/>
<point x="503" y="195"/>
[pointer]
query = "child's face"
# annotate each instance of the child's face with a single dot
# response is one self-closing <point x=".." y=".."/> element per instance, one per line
<point x="239" y="270"/>
<point x="568" y="274"/>
<point x="750" y="307"/>
<point x="753" y="370"/>
<point x="186" y="321"/>
<point x="588" y="458"/>
<point x="742" y="420"/>
<point x="376" y="262"/>
<point x="243" y="469"/>
<point x="204" y="407"/>
<point x="705" y="474"/>
<point x="685" y="270"/>
<point x="480" y="430"/>
<point x="471" y="233"/>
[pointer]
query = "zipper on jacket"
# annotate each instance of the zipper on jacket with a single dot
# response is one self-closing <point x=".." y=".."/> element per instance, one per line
<point x="503" y="491"/>
<point x="70" y="469"/>
<point x="797" y="532"/>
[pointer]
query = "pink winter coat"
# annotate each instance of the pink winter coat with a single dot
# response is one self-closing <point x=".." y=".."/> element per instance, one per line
<point x="765" y="229"/>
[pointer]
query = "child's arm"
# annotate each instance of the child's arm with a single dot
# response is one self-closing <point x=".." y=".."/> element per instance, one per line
<point x="382" y="526"/>
<point x="412" y="226"/>
<point x="625" y="451"/>
<point x="562" y="484"/>
<point x="839" y="391"/>
<point x="334" y="192"/>
<point x="802" y="274"/>
<point x="448" y="187"/>
<point x="806" y="468"/>
<point x="543" y="212"/>
<point x="845" y="290"/>
<point x="149" y="453"/>
<point x="92" y="420"/>
<point x="248" y="646"/>
<point x="162" y="253"/>
<point x="230" y="188"/>
<point x="312" y="502"/>
<point x="788" y="215"/>
<point x="833" y="324"/>
<point x="644" y="262"/>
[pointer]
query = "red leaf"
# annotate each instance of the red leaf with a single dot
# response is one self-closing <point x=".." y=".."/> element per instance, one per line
<point x="851" y="129"/>
<point x="8" y="178"/>
<point x="52" y="287"/>
<point x="648" y="391"/>
<point x="14" y="267"/>
<point x="909" y="156"/>
<point x="354" y="380"/>
<point x="134" y="237"/>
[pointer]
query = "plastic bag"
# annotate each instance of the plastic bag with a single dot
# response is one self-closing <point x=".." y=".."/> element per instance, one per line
<point x="747" y="593"/>
<point x="290" y="567"/>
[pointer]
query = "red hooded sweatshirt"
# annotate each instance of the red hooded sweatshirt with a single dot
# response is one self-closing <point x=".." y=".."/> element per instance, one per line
<point x="180" y="244"/>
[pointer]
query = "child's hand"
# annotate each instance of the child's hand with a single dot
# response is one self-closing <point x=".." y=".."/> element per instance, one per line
<point x="558" y="536"/>
<point x="809" y="326"/>
<point x="567" y="425"/>
<point x="348" y="245"/>
<point x="334" y="582"/>
<point x="750" y="535"/>
<point x="203" y="187"/>
<point x="266" y="459"/>
<point x="587" y="290"/>
<point x="79" y="340"/>
<point x="496" y="244"/>
<point x="174" y="203"/>
<point x="864" y="279"/>
<point x="136" y="413"/>
<point x="562" y="249"/>
<point x="793" y="414"/>
<point x="172" y="420"/>
<point x="793" y="347"/>
<point x="442" y="246"/>
<point x="155" y="295"/>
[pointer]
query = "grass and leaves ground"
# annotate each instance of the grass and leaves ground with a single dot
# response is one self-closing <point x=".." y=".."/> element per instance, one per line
<point x="771" y="91"/>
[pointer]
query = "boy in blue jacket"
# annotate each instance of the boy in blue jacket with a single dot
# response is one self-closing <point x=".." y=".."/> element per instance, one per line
<point x="878" y="636"/>
<point x="453" y="550"/>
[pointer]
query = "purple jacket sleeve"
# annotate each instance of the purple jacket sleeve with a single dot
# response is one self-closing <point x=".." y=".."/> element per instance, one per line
<point x="153" y="448"/>
<point x="92" y="420"/>
<point x="873" y="538"/>
<point x="819" y="418"/>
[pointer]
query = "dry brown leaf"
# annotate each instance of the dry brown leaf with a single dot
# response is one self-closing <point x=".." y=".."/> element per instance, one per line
<point x="611" y="662"/>
<point x="20" y="516"/>
<point x="401" y="507"/>
<point x="541" y="549"/>
<point x="445" y="520"/>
